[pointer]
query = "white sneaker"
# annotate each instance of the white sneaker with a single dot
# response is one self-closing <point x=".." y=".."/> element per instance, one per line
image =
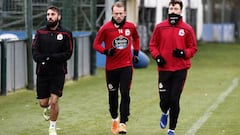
<point x="46" y="114"/>
<point x="52" y="131"/>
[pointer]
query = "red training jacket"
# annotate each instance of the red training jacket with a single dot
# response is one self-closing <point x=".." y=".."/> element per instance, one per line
<point x="166" y="38"/>
<point x="122" y="39"/>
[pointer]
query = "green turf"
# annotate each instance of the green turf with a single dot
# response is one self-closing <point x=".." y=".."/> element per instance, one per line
<point x="84" y="105"/>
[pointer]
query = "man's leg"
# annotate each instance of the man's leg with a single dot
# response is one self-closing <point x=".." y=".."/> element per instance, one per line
<point x="112" y="79"/>
<point x="56" y="89"/>
<point x="43" y="95"/>
<point x="44" y="103"/>
<point x="125" y="85"/>
<point x="178" y="81"/>
<point x="54" y="110"/>
<point x="164" y="87"/>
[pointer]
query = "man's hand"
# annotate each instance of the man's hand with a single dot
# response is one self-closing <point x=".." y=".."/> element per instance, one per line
<point x="178" y="53"/>
<point x="135" y="56"/>
<point x="135" y="59"/>
<point x="109" y="52"/>
<point x="160" y="61"/>
<point x="43" y="58"/>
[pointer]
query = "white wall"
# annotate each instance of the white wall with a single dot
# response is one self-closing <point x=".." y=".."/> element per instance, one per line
<point x="132" y="11"/>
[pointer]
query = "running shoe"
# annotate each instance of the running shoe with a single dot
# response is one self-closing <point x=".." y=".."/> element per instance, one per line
<point x="46" y="114"/>
<point x="114" y="127"/>
<point x="52" y="131"/>
<point x="163" y="120"/>
<point x="170" y="132"/>
<point x="122" y="128"/>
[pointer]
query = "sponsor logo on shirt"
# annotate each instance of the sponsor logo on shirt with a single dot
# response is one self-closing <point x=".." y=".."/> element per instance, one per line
<point x="120" y="42"/>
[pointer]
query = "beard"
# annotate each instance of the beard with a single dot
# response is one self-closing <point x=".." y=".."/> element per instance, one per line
<point x="119" y="24"/>
<point x="52" y="24"/>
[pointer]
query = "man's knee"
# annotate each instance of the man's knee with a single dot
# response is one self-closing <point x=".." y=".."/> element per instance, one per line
<point x="54" y="100"/>
<point x="44" y="103"/>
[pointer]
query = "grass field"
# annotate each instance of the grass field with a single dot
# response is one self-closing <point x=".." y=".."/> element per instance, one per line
<point x="209" y="103"/>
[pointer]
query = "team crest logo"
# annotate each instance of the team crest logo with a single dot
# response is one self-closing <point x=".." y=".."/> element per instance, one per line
<point x="181" y="32"/>
<point x="59" y="37"/>
<point x="110" y="87"/>
<point x="161" y="88"/>
<point x="160" y="85"/>
<point x="120" y="42"/>
<point x="127" y="32"/>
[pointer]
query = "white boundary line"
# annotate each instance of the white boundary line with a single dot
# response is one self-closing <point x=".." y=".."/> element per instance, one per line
<point x="209" y="111"/>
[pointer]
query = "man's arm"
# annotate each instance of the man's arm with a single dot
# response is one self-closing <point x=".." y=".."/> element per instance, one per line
<point x="67" y="53"/>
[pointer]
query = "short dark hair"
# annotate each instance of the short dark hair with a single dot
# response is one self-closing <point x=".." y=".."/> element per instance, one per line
<point x="54" y="8"/>
<point x="118" y="4"/>
<point x="173" y="2"/>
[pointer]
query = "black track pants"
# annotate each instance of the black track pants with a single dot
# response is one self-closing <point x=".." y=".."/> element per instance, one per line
<point x="170" y="84"/>
<point x="119" y="78"/>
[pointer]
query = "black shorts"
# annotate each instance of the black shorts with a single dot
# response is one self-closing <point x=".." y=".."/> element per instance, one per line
<point x="47" y="85"/>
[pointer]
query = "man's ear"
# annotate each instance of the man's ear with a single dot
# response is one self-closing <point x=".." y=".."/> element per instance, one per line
<point x="59" y="17"/>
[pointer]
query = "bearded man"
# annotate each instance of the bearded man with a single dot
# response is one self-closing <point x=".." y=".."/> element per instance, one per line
<point x="172" y="45"/>
<point x="52" y="47"/>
